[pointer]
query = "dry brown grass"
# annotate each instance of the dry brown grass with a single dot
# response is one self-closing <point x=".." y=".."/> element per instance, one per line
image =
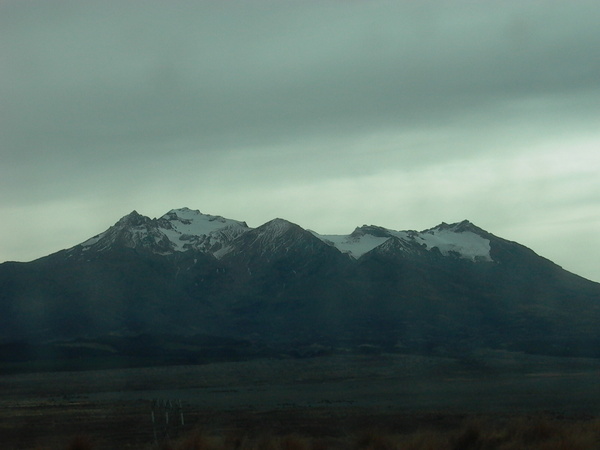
<point x="80" y="443"/>
<point x="472" y="433"/>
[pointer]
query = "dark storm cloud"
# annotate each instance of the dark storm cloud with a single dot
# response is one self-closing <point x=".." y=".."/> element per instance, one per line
<point x="106" y="73"/>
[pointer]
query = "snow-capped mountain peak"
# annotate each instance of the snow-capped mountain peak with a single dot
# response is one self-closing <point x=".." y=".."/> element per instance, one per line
<point x="132" y="219"/>
<point x="459" y="239"/>
<point x="133" y="231"/>
<point x="185" y="229"/>
<point x="462" y="239"/>
<point x="372" y="230"/>
<point x="176" y="231"/>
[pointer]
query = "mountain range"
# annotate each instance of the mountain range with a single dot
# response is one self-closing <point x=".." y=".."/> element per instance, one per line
<point x="208" y="284"/>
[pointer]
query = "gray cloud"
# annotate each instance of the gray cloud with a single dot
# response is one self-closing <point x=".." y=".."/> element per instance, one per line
<point x="159" y="71"/>
<point x="326" y="113"/>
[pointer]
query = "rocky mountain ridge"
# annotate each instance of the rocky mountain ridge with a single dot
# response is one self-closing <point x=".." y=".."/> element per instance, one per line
<point x="184" y="229"/>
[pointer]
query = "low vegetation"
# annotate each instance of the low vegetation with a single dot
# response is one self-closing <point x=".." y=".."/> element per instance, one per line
<point x="516" y="433"/>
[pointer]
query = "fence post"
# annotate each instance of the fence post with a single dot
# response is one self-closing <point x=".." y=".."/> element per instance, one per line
<point x="166" y="406"/>
<point x="181" y="413"/>
<point x="154" y="402"/>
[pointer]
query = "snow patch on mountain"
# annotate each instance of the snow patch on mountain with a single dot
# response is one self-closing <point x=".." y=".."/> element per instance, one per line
<point x="176" y="231"/>
<point x="449" y="240"/>
<point x="187" y="228"/>
<point x="93" y="240"/>
<point x="456" y="239"/>
<point x="183" y="229"/>
<point x="185" y="221"/>
<point x="353" y="245"/>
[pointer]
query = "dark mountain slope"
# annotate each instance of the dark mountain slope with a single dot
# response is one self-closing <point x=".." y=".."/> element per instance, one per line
<point x="452" y="288"/>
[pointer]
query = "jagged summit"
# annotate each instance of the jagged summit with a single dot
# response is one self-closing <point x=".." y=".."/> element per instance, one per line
<point x="185" y="210"/>
<point x="176" y="231"/>
<point x="373" y="230"/>
<point x="132" y="219"/>
<point x="462" y="240"/>
<point x="186" y="229"/>
<point x="188" y="216"/>
<point x="457" y="227"/>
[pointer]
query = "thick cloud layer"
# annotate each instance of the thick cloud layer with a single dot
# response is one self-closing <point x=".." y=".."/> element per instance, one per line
<point x="330" y="114"/>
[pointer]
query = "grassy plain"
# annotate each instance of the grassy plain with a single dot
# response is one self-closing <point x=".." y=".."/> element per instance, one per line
<point x="492" y="400"/>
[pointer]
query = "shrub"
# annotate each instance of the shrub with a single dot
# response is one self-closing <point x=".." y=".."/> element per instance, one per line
<point x="80" y="443"/>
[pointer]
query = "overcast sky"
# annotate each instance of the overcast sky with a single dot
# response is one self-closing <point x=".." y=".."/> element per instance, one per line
<point x="330" y="114"/>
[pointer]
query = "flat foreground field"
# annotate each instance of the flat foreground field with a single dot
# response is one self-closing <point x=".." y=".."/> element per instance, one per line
<point x="327" y="398"/>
